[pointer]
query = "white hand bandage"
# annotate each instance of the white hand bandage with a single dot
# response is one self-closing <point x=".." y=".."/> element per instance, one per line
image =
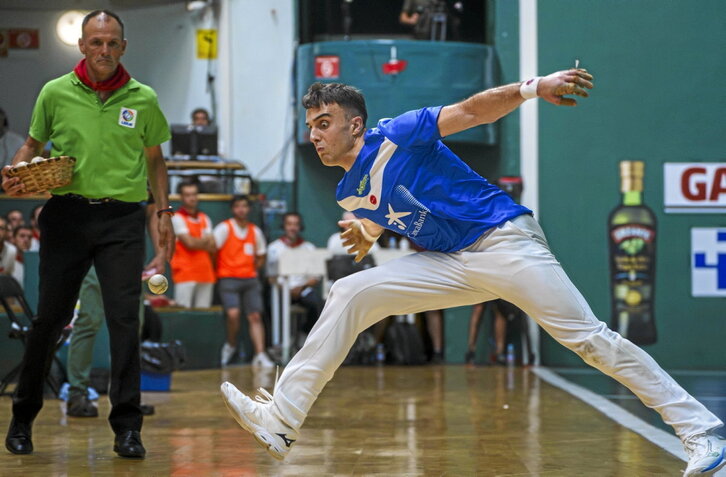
<point x="528" y="89"/>
<point x="357" y="240"/>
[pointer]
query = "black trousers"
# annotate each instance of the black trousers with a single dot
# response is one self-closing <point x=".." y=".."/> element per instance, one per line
<point x="312" y="302"/>
<point x="75" y="234"/>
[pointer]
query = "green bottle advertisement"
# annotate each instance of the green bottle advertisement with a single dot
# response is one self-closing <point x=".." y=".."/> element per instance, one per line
<point x="632" y="238"/>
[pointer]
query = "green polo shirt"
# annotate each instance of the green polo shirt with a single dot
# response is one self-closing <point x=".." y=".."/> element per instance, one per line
<point x="107" y="139"/>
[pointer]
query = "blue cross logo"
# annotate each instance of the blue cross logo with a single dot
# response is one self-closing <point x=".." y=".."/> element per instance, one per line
<point x="699" y="261"/>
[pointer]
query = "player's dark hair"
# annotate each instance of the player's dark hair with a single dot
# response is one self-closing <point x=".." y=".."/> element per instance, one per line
<point x="238" y="198"/>
<point x="96" y="13"/>
<point x="292" y="214"/>
<point x="347" y="97"/>
<point x="21" y="227"/>
<point x="184" y="184"/>
<point x="7" y="214"/>
<point x="200" y="110"/>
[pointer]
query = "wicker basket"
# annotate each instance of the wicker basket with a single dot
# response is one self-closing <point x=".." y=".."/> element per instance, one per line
<point x="42" y="175"/>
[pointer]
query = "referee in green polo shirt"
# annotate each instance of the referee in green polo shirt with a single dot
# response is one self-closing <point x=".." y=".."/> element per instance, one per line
<point x="114" y="127"/>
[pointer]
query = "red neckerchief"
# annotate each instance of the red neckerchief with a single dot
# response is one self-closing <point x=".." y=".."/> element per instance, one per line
<point x="294" y="244"/>
<point x="186" y="213"/>
<point x="120" y="78"/>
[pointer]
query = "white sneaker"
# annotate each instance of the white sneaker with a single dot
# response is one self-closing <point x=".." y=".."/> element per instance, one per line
<point x="261" y="360"/>
<point x="259" y="419"/>
<point x="705" y="454"/>
<point x="227" y="354"/>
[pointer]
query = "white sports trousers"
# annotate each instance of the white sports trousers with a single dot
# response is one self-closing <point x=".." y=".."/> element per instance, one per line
<point x="512" y="262"/>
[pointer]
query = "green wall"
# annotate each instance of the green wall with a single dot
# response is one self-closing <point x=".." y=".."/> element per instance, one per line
<point x="658" y="97"/>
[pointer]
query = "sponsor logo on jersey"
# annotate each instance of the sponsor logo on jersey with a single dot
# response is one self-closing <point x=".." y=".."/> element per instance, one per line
<point x="395" y="217"/>
<point x="362" y="185"/>
<point x="127" y="117"/>
<point x="418" y="224"/>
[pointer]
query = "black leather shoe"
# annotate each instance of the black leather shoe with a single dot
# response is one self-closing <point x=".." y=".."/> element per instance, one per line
<point x="18" y="438"/>
<point x="79" y="406"/>
<point x="128" y="444"/>
<point x="147" y="409"/>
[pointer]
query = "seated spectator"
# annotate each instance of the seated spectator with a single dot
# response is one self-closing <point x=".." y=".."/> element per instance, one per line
<point x="22" y="238"/>
<point x="241" y="250"/>
<point x="7" y="250"/>
<point x="14" y="218"/>
<point x="200" y="117"/>
<point x="35" y="243"/>
<point x="10" y="141"/>
<point x="302" y="287"/>
<point x="191" y="267"/>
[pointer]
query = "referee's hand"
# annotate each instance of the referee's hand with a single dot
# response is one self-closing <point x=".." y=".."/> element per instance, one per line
<point x="12" y="186"/>
<point x="356" y="239"/>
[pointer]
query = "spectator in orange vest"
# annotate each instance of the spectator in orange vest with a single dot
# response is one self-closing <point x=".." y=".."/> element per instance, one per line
<point x="191" y="267"/>
<point x="241" y="249"/>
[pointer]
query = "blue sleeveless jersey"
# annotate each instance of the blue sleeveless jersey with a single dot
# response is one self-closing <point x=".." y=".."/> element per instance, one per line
<point x="406" y="180"/>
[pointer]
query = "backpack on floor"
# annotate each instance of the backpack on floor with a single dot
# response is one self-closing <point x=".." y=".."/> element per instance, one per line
<point x="404" y="344"/>
<point x="363" y="351"/>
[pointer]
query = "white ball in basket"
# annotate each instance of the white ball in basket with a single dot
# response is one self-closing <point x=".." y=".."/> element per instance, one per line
<point x="158" y="284"/>
<point x="37" y="159"/>
<point x="21" y="164"/>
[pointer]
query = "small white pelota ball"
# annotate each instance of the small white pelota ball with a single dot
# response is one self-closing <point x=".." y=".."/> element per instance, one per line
<point x="37" y="159"/>
<point x="158" y="284"/>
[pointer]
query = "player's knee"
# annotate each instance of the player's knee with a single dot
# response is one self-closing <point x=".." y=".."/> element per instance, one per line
<point x="343" y="288"/>
<point x="599" y="348"/>
<point x="254" y="317"/>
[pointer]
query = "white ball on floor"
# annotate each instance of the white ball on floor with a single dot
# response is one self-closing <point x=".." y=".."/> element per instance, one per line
<point x="158" y="284"/>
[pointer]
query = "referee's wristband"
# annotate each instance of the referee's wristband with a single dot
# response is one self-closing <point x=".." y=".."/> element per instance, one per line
<point x="528" y="89"/>
<point x="169" y="210"/>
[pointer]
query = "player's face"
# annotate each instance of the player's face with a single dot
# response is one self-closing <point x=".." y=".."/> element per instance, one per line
<point x="200" y="119"/>
<point x="23" y="239"/>
<point x="241" y="209"/>
<point x="15" y="218"/>
<point x="190" y="197"/>
<point x="292" y="226"/>
<point x="331" y="133"/>
<point x="103" y="46"/>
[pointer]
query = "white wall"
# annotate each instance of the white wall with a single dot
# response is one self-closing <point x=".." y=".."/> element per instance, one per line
<point x="254" y="71"/>
<point x="259" y="100"/>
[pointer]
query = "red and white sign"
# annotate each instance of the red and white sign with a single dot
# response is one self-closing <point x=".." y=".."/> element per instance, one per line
<point x="24" y="38"/>
<point x="694" y="187"/>
<point x="327" y="67"/>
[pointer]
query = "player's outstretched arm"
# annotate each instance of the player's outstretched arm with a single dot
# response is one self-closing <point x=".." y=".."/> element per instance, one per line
<point x="359" y="236"/>
<point x="492" y="104"/>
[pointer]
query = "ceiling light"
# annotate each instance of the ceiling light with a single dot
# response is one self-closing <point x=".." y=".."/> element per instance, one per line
<point x="68" y="27"/>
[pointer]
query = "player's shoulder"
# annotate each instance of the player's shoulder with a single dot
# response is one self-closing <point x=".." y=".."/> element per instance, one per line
<point x="223" y="224"/>
<point x="142" y="89"/>
<point x="60" y="83"/>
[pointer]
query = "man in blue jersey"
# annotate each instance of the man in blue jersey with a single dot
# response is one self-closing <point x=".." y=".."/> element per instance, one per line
<point x="482" y="246"/>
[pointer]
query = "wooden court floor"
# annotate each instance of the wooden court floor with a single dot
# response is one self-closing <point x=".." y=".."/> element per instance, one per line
<point x="408" y="421"/>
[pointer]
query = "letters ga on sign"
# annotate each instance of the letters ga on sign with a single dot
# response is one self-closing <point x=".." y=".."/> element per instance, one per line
<point x="694" y="187"/>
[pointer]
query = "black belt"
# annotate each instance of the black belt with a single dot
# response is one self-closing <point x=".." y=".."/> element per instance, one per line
<point x="102" y="200"/>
